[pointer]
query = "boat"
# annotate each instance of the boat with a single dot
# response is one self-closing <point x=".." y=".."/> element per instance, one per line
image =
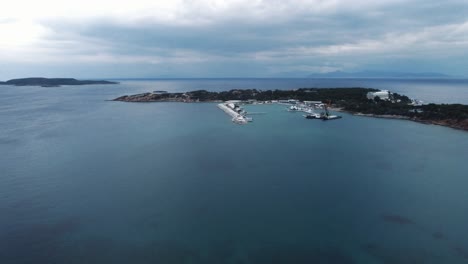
<point x="326" y="115"/>
<point x="330" y="117"/>
<point x="239" y="120"/>
<point x="313" y="116"/>
<point x="293" y="108"/>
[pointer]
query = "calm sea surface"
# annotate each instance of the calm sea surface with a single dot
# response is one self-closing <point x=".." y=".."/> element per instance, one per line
<point x="85" y="180"/>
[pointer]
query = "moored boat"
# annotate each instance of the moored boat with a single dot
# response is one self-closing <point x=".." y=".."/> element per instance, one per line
<point x="312" y="116"/>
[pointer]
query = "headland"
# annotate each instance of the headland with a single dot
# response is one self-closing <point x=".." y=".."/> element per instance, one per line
<point x="357" y="101"/>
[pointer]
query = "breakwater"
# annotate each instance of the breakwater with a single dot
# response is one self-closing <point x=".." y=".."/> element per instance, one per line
<point x="230" y="109"/>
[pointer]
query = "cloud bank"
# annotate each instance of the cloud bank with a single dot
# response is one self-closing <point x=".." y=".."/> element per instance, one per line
<point x="236" y="38"/>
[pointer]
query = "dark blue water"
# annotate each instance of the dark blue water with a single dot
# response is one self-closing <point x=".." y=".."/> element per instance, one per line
<point x="85" y="180"/>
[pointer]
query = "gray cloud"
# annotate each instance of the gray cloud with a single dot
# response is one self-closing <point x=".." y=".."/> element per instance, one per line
<point x="267" y="38"/>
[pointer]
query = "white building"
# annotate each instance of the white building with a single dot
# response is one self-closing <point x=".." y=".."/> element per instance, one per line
<point x="316" y="104"/>
<point x="382" y="94"/>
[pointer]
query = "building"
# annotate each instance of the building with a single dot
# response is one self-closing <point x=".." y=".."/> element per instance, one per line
<point x="233" y="102"/>
<point x="382" y="94"/>
<point x="316" y="104"/>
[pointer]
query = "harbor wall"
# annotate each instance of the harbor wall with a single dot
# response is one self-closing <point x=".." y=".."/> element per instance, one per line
<point x="236" y="117"/>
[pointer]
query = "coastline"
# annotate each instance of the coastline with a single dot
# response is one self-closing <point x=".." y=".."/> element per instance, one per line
<point x="350" y="100"/>
<point x="444" y="123"/>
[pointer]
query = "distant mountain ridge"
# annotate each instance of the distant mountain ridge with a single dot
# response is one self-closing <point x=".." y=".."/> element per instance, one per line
<point x="378" y="74"/>
<point x="52" y="82"/>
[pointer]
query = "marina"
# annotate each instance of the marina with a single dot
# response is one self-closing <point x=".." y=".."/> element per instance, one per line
<point x="239" y="115"/>
<point x="359" y="101"/>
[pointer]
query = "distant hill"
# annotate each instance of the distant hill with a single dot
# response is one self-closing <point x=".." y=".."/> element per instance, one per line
<point x="378" y="74"/>
<point x="52" y="82"/>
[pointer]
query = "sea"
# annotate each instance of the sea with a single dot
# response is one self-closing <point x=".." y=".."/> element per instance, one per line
<point x="87" y="180"/>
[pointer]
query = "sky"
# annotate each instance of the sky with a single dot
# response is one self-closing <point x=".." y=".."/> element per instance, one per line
<point x="236" y="38"/>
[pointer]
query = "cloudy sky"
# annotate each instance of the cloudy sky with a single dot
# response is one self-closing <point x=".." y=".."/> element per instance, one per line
<point x="235" y="38"/>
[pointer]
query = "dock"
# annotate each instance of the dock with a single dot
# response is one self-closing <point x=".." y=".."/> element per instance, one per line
<point x="237" y="118"/>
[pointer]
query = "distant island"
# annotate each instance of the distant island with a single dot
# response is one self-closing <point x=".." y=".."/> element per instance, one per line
<point x="52" y="82"/>
<point x="358" y="101"/>
<point x="379" y="74"/>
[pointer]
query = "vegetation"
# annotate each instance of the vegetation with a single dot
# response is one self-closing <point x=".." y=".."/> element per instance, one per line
<point x="52" y="82"/>
<point x="303" y="94"/>
<point x="403" y="107"/>
<point x="443" y="111"/>
<point x="353" y="100"/>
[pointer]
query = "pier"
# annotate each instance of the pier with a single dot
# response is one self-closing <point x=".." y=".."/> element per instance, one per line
<point x="230" y="109"/>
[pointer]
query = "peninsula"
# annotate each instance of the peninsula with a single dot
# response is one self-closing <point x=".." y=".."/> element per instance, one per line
<point x="358" y="101"/>
<point x="52" y="82"/>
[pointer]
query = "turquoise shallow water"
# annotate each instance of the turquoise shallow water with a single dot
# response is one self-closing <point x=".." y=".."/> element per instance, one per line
<point x="84" y="180"/>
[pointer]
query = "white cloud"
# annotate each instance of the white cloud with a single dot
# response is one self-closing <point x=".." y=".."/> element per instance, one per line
<point x="446" y="39"/>
<point x="265" y="32"/>
<point x="176" y="10"/>
<point x="17" y="34"/>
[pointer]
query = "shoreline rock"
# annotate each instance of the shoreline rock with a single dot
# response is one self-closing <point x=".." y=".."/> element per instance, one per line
<point x="460" y="125"/>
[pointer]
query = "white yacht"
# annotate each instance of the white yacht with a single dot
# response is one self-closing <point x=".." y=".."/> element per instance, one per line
<point x="293" y="108"/>
<point x="239" y="120"/>
<point x="313" y="116"/>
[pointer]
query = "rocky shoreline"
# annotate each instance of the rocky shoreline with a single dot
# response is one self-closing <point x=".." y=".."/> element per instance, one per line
<point x="460" y="125"/>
